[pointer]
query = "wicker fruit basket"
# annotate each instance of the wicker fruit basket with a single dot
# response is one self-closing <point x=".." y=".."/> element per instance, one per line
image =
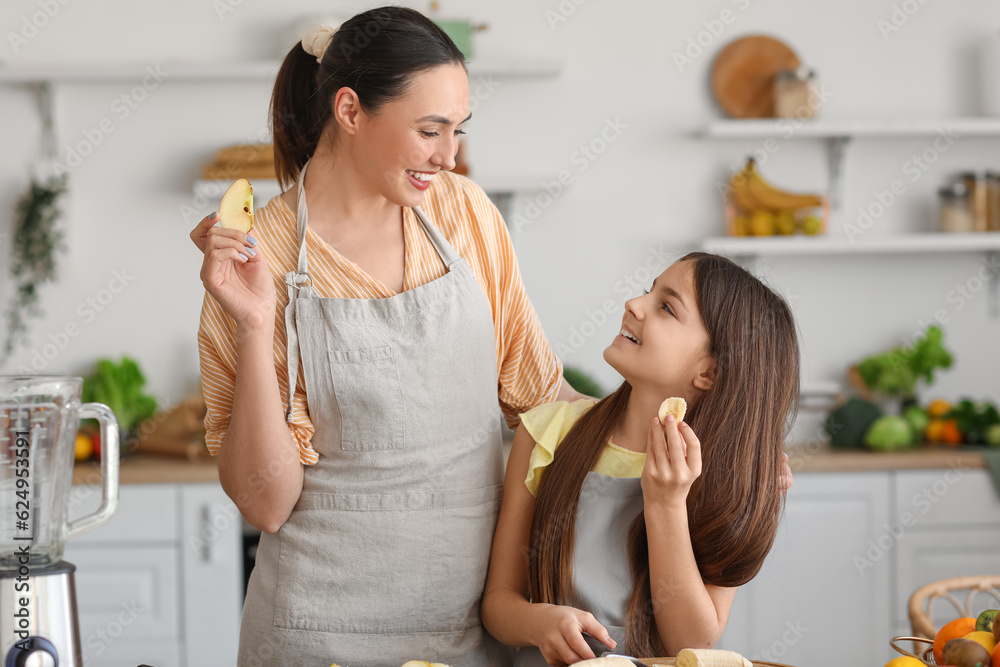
<point x="926" y="656"/>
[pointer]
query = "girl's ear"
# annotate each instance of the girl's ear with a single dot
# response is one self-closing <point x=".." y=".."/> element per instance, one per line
<point x="705" y="373"/>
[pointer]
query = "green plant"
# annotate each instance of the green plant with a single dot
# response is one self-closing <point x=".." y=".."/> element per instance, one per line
<point x="33" y="262"/>
<point x="896" y="372"/>
<point x="119" y="386"/>
<point x="582" y="382"/>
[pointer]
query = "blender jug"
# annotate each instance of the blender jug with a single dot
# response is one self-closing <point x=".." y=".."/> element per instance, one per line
<point x="39" y="417"/>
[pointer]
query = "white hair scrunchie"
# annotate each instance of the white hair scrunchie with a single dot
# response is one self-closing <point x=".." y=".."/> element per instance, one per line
<point x="316" y="40"/>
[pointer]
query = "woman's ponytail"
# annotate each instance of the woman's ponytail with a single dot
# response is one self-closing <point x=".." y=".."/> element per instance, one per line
<point x="297" y="121"/>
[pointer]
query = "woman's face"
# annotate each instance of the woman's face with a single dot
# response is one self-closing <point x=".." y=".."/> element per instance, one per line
<point x="669" y="353"/>
<point x="414" y="136"/>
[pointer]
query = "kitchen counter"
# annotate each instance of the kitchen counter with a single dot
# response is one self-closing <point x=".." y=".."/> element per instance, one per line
<point x="807" y="458"/>
<point x="145" y="469"/>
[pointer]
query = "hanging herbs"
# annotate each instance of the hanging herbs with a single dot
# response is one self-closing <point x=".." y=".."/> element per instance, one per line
<point x="33" y="262"/>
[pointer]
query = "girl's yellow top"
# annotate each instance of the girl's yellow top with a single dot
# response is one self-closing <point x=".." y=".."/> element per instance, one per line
<point x="548" y="424"/>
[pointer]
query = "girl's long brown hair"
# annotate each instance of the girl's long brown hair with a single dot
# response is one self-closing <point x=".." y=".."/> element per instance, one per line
<point x="742" y="421"/>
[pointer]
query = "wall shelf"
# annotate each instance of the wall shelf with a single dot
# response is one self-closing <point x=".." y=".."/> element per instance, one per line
<point x="930" y="243"/>
<point x="501" y="189"/>
<point x="261" y="70"/>
<point x="747" y="250"/>
<point x="821" y="128"/>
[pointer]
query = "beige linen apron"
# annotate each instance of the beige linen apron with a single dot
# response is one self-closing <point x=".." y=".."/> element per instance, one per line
<point x="601" y="576"/>
<point x="384" y="557"/>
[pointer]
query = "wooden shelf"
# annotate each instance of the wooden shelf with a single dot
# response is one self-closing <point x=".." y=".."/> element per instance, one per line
<point x="262" y="70"/>
<point x="265" y="188"/>
<point x="930" y="243"/>
<point x="821" y="128"/>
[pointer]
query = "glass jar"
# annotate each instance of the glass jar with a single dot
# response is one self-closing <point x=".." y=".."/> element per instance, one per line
<point x="956" y="209"/>
<point x="793" y="97"/>
<point x="975" y="183"/>
<point x="993" y="201"/>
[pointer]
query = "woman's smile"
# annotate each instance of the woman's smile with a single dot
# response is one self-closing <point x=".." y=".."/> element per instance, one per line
<point x="421" y="180"/>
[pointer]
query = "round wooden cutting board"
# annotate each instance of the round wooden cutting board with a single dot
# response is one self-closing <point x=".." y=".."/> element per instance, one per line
<point x="743" y="75"/>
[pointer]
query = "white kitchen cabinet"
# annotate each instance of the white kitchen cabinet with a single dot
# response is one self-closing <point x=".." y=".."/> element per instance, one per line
<point x="809" y="588"/>
<point x="851" y="549"/>
<point x="161" y="583"/>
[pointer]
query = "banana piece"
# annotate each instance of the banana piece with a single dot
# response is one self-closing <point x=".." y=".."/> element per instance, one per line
<point x="672" y="406"/>
<point x="707" y="657"/>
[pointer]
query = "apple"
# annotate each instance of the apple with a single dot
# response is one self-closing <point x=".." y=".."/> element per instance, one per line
<point x="236" y="208"/>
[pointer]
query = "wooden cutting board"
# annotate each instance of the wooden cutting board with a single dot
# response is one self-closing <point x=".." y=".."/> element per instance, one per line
<point x="743" y="75"/>
<point x="670" y="662"/>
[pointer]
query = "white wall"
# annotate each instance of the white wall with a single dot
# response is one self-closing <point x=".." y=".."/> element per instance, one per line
<point x="651" y="191"/>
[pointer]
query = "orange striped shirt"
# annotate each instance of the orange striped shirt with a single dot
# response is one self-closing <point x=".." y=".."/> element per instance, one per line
<point x="528" y="369"/>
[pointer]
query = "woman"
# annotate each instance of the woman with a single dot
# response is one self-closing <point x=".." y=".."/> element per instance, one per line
<point x="374" y="471"/>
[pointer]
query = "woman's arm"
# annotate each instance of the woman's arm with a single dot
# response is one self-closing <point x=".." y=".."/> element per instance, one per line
<point x="567" y="393"/>
<point x="259" y="467"/>
<point x="688" y="612"/>
<point x="506" y="612"/>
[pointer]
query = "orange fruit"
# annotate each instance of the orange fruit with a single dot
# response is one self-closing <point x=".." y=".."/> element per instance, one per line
<point x="905" y="661"/>
<point x="935" y="430"/>
<point x="938" y="408"/>
<point x="995" y="656"/>
<point x="84" y="447"/>
<point x="984" y="638"/>
<point x="950" y="434"/>
<point x="954" y="630"/>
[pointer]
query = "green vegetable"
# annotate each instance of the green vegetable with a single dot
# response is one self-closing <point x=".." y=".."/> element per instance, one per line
<point x="847" y="424"/>
<point x="119" y="386"/>
<point x="918" y="420"/>
<point x="974" y="419"/>
<point x="993" y="435"/>
<point x="582" y="382"/>
<point x="895" y="373"/>
<point x="888" y="433"/>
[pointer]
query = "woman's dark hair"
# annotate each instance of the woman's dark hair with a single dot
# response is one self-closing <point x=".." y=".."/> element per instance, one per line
<point x="374" y="53"/>
<point x="742" y="421"/>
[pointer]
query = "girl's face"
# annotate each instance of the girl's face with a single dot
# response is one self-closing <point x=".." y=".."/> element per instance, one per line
<point x="413" y="137"/>
<point x="663" y="346"/>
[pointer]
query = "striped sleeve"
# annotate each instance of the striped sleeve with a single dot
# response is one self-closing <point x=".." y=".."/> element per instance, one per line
<point x="217" y="350"/>
<point x="528" y="369"/>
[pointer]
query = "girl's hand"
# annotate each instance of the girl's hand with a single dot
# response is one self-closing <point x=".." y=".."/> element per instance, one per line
<point x="236" y="273"/>
<point x="559" y="634"/>
<point x="673" y="462"/>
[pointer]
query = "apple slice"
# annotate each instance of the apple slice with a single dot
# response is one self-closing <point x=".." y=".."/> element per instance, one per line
<point x="236" y="209"/>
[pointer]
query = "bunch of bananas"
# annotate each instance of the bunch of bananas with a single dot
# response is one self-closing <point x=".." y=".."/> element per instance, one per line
<point x="765" y="210"/>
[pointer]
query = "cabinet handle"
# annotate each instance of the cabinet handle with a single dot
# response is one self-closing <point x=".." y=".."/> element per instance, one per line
<point x="209" y="534"/>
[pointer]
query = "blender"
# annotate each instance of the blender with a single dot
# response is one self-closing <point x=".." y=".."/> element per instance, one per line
<point x="39" y="417"/>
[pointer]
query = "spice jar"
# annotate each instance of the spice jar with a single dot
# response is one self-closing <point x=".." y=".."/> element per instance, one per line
<point x="975" y="183"/>
<point x="993" y="201"/>
<point x="793" y="97"/>
<point x="956" y="209"/>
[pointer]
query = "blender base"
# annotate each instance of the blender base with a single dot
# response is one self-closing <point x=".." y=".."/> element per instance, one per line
<point x="45" y="629"/>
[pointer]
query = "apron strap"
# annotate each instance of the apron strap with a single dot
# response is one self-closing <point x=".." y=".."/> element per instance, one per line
<point x="444" y="249"/>
<point x="298" y="284"/>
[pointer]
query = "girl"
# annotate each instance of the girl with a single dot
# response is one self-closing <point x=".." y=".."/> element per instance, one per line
<point x="631" y="531"/>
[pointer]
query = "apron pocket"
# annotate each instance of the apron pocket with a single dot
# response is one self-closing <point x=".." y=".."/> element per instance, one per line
<point x="369" y="396"/>
<point x="385" y="564"/>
